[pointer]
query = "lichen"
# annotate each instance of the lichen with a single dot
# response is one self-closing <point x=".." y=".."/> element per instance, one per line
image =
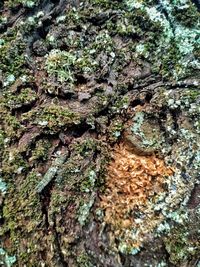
<point x="179" y="41"/>
<point x="84" y="211"/>
<point x="5" y="259"/>
<point x="3" y="186"/>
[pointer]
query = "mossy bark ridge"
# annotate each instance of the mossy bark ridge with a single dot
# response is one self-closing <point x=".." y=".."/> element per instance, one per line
<point x="99" y="133"/>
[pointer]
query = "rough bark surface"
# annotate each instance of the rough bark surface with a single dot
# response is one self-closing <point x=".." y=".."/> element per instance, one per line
<point x="99" y="133"/>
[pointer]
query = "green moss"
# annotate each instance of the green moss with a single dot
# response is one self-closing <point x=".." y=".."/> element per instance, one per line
<point x="9" y="123"/>
<point x="26" y="97"/>
<point x="125" y="28"/>
<point x="85" y="147"/>
<point x="86" y="64"/>
<point x="74" y="17"/>
<point x="103" y="42"/>
<point x="190" y="95"/>
<point x="22" y="207"/>
<point x="12" y="126"/>
<point x="11" y="56"/>
<point x="62" y="66"/>
<point x="13" y="163"/>
<point x="83" y="260"/>
<point x="120" y="104"/>
<point x="180" y="246"/>
<point x="169" y="60"/>
<point x="41" y="150"/>
<point x="88" y="183"/>
<point x="2" y="138"/>
<point x="101" y="3"/>
<point x="186" y="14"/>
<point x="52" y="117"/>
<point x="25" y="3"/>
<point x="115" y="130"/>
<point x="102" y="102"/>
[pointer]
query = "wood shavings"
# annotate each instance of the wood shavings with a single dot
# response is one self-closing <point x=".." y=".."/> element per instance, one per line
<point x="131" y="181"/>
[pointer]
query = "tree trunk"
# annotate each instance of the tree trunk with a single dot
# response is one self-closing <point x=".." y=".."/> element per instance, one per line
<point x="99" y="133"/>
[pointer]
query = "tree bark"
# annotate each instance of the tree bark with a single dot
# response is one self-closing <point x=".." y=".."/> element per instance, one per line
<point x="99" y="133"/>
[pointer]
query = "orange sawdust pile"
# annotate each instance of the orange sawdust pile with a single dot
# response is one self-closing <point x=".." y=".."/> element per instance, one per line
<point x="131" y="181"/>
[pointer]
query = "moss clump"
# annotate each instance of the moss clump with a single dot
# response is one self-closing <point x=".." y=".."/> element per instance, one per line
<point x="83" y="260"/>
<point x="104" y="3"/>
<point x="120" y="104"/>
<point x="52" y="117"/>
<point x="25" y="3"/>
<point x="13" y="163"/>
<point x="85" y="147"/>
<point x="9" y="123"/>
<point x="12" y="56"/>
<point x="181" y="246"/>
<point x="186" y="14"/>
<point x="64" y="66"/>
<point x="190" y="95"/>
<point x="22" y="207"/>
<point x="88" y="183"/>
<point x="115" y="129"/>
<point x="11" y="126"/>
<point x="2" y="138"/>
<point x="85" y="64"/>
<point x="26" y="97"/>
<point x="41" y="151"/>
<point x="25" y="201"/>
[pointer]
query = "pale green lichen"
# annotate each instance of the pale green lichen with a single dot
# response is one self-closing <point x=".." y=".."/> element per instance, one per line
<point x="138" y="119"/>
<point x="126" y="249"/>
<point x="3" y="186"/>
<point x="84" y="210"/>
<point x="175" y="38"/>
<point x="147" y="140"/>
<point x="50" y="174"/>
<point x="5" y="259"/>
